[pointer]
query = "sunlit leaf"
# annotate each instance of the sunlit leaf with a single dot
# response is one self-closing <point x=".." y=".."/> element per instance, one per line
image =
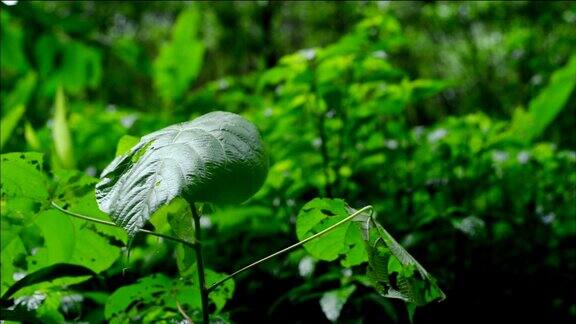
<point x="61" y="133"/>
<point x="218" y="157"/>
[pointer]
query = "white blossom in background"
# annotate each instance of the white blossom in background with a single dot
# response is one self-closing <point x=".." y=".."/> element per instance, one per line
<point x="276" y="202"/>
<point x="419" y="131"/>
<point x="317" y="142"/>
<point x="91" y="171"/>
<point x="306" y="266"/>
<point x="347" y="272"/>
<point x="223" y="84"/>
<point x="205" y="222"/>
<point x="380" y="54"/>
<point x="70" y="302"/>
<point x="331" y="305"/>
<point x="499" y="156"/>
<point x="18" y="275"/>
<point x="308" y="53"/>
<point x="471" y="225"/>
<point x="129" y="120"/>
<point x="549" y="218"/>
<point x="391" y="144"/>
<point x="31" y="302"/>
<point x="523" y="157"/>
<point x="437" y="135"/>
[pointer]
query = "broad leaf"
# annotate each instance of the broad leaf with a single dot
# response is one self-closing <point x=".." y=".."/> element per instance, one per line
<point x="345" y="240"/>
<point x="393" y="272"/>
<point x="158" y="291"/>
<point x="218" y="157"/>
<point x="22" y="176"/>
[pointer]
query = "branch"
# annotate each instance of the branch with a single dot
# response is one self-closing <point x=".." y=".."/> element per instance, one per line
<point x="291" y="247"/>
<point x="103" y="222"/>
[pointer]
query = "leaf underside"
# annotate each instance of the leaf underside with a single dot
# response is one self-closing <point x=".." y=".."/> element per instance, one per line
<point x="218" y="157"/>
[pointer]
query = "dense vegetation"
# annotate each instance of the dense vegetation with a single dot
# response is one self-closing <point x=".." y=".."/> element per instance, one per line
<point x="455" y="121"/>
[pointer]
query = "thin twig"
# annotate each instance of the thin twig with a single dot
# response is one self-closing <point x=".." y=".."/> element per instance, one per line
<point x="186" y="317"/>
<point x="103" y="222"/>
<point x="291" y="247"/>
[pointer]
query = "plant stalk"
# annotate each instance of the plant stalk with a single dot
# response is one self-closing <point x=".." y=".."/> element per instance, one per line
<point x="200" y="264"/>
<point x="291" y="247"/>
<point x="103" y="222"/>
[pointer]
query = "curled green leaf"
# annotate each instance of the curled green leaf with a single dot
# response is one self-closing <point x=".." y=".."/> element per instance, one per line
<point x="218" y="157"/>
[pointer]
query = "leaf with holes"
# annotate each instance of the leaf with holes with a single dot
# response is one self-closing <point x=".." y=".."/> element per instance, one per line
<point x="392" y="271"/>
<point x="218" y="157"/>
<point x="345" y="240"/>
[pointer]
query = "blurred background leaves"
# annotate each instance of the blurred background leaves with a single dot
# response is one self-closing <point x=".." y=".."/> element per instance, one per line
<point x="454" y="120"/>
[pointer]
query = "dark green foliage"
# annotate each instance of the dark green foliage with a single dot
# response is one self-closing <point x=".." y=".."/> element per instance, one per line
<point x="453" y="120"/>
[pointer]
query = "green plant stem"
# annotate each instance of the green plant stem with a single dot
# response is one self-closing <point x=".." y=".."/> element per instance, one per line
<point x="291" y="247"/>
<point x="200" y="264"/>
<point x="103" y="222"/>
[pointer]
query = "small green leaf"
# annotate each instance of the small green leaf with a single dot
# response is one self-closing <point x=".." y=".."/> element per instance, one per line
<point x="125" y="143"/>
<point x="223" y="292"/>
<point x="159" y="291"/>
<point x="146" y="290"/>
<point x="218" y="157"/>
<point x="31" y="137"/>
<point x="345" y="240"/>
<point x="21" y="176"/>
<point x="9" y="123"/>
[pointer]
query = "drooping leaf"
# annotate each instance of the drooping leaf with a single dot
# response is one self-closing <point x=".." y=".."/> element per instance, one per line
<point x="393" y="272"/>
<point x="47" y="274"/>
<point x="218" y="157"/>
